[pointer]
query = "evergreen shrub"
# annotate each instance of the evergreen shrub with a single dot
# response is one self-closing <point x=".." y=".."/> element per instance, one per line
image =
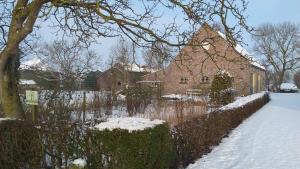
<point x="20" y="145"/>
<point x="221" y="88"/>
<point x="151" y="148"/>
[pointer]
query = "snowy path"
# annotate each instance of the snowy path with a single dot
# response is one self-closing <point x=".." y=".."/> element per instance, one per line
<point x="269" y="139"/>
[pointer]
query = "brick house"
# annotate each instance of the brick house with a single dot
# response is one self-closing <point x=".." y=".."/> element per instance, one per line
<point x="118" y="77"/>
<point x="195" y="66"/>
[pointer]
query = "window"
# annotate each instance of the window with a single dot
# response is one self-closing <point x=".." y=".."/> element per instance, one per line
<point x="184" y="80"/>
<point x="205" y="79"/>
<point x="206" y="45"/>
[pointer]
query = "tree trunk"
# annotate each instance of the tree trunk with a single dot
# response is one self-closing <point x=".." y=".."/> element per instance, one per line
<point x="9" y="97"/>
<point x="280" y="79"/>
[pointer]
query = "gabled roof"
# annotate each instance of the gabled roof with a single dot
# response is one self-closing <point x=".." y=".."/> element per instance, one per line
<point x="242" y="51"/>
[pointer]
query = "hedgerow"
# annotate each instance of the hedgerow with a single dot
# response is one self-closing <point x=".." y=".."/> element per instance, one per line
<point x="120" y="149"/>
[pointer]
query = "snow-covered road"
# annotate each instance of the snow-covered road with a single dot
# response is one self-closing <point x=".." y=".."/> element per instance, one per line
<point x="269" y="139"/>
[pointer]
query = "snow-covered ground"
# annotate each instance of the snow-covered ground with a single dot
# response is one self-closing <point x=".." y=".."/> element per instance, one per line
<point x="270" y="139"/>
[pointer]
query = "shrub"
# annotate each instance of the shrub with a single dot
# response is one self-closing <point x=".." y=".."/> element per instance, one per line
<point x="20" y="145"/>
<point x="195" y="137"/>
<point x="221" y="88"/>
<point x="63" y="142"/>
<point x="121" y="149"/>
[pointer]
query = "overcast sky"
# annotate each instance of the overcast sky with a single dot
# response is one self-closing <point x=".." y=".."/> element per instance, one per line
<point x="259" y="11"/>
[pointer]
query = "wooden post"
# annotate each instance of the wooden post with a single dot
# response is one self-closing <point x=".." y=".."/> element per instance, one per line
<point x="84" y="106"/>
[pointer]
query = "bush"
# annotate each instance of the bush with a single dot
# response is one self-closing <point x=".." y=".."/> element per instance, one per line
<point x="221" y="88"/>
<point x="20" y="145"/>
<point x="151" y="148"/>
<point x="63" y="142"/>
<point x="195" y="137"/>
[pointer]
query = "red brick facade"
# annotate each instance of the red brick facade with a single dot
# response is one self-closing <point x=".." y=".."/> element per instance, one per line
<point x="195" y="66"/>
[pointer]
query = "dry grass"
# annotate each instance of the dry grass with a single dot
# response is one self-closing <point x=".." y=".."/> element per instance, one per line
<point x="174" y="112"/>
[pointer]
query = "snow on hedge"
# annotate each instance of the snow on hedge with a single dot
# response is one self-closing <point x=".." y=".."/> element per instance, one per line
<point x="241" y="101"/>
<point x="4" y="119"/>
<point x="128" y="123"/>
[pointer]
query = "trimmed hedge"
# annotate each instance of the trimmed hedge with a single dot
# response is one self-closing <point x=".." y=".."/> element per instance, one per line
<point x="151" y="148"/>
<point x="195" y="137"/>
<point x="20" y="145"/>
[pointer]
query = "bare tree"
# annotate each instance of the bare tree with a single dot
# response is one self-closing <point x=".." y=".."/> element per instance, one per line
<point x="297" y="79"/>
<point x="70" y="60"/>
<point x="91" y="19"/>
<point x="280" y="47"/>
<point x="121" y="53"/>
<point x="157" y="56"/>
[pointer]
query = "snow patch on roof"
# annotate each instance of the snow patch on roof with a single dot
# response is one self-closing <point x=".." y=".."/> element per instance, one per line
<point x="136" y="68"/>
<point x="34" y="63"/>
<point x="128" y="123"/>
<point x="241" y="101"/>
<point x="27" y="82"/>
<point x="244" y="53"/>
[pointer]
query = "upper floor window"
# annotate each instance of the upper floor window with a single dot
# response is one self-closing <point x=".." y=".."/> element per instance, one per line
<point x="184" y="80"/>
<point x="205" y="79"/>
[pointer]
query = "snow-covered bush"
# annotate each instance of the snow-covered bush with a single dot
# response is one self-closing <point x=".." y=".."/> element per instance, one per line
<point x="130" y="143"/>
<point x="221" y="88"/>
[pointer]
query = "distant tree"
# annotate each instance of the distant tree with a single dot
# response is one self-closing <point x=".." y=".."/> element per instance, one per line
<point x="71" y="61"/>
<point x="121" y="53"/>
<point x="297" y="79"/>
<point x="280" y="47"/>
<point x="157" y="56"/>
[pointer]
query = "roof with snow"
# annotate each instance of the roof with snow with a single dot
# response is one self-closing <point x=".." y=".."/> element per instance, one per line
<point x="34" y="63"/>
<point x="242" y="51"/>
<point x="133" y="67"/>
<point x="128" y="123"/>
<point x="27" y="82"/>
